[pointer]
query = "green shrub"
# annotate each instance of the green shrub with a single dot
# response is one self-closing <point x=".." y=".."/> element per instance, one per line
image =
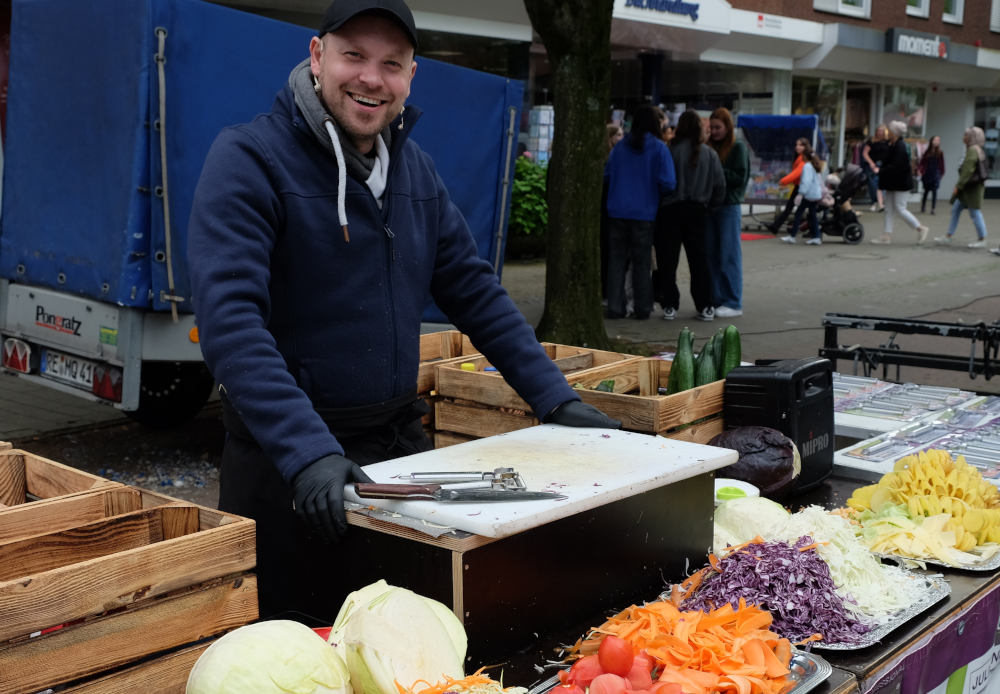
<point x="529" y="211"/>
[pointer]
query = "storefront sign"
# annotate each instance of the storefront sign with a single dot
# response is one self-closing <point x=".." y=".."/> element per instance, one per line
<point x="671" y="6"/>
<point x="769" y="21"/>
<point x="910" y="42"/>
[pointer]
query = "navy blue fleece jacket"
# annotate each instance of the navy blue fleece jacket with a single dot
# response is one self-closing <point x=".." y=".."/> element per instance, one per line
<point x="292" y="317"/>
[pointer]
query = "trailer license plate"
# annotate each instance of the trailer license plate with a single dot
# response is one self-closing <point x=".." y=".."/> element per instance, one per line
<point x="68" y="369"/>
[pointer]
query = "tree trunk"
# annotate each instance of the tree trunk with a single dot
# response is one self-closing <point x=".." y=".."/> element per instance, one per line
<point x="577" y="36"/>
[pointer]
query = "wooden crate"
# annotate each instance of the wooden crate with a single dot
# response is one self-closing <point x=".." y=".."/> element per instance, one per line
<point x="164" y="675"/>
<point x="445" y="347"/>
<point x="144" y="628"/>
<point x="122" y="547"/>
<point x="25" y="477"/>
<point x="489" y="388"/>
<point x="482" y="404"/>
<point x="636" y="400"/>
<point x="5" y="446"/>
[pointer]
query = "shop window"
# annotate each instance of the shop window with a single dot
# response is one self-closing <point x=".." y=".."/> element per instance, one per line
<point x="918" y="8"/>
<point x="825" y="98"/>
<point x="854" y="8"/>
<point x="988" y="118"/>
<point x="907" y="104"/>
<point x="953" y="11"/>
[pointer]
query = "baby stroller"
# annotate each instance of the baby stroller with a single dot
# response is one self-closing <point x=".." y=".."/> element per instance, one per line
<point x="836" y="216"/>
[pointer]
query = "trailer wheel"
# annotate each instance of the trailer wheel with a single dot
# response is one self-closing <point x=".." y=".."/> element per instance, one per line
<point x="171" y="393"/>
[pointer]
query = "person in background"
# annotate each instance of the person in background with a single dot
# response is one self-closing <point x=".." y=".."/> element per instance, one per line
<point x="701" y="187"/>
<point x="668" y="133"/>
<point x="895" y="177"/>
<point x="811" y="189"/>
<point x="722" y="237"/>
<point x="931" y="169"/>
<point x="871" y="160"/>
<point x="612" y="136"/>
<point x="968" y="193"/>
<point x="639" y="171"/>
<point x="792" y="179"/>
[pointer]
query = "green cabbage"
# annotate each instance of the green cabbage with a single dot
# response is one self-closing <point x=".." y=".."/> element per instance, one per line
<point x="748" y="517"/>
<point x="388" y="635"/>
<point x="278" y="657"/>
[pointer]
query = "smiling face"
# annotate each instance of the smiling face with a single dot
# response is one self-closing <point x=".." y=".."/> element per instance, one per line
<point x="364" y="71"/>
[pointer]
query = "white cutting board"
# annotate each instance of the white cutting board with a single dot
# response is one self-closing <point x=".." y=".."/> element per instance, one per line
<point x="592" y="467"/>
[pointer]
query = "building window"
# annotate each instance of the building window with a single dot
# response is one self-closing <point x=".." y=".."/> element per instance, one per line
<point x="953" y="11"/>
<point x="995" y="16"/>
<point x="906" y="104"/>
<point x="824" y="98"/>
<point x="918" y="8"/>
<point x="854" y="8"/>
<point x="988" y="118"/>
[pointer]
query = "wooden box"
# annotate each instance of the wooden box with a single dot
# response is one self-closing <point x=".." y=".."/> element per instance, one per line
<point x="144" y="572"/>
<point x="24" y="477"/>
<point x="440" y="348"/>
<point x="483" y="404"/>
<point x="5" y="446"/>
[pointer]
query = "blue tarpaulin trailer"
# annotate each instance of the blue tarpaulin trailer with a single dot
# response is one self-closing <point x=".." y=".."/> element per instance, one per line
<point x="83" y="234"/>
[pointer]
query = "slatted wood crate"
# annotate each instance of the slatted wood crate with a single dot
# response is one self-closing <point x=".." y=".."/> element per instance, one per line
<point x="482" y="404"/>
<point x="126" y="573"/>
<point x="478" y="403"/>
<point x="5" y="446"/>
<point x="24" y="477"/>
<point x="445" y="347"/>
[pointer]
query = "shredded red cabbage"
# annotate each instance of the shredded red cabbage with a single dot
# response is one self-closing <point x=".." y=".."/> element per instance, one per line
<point x="795" y="587"/>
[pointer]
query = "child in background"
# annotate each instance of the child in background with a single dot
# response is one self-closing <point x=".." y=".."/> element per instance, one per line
<point x="811" y="189"/>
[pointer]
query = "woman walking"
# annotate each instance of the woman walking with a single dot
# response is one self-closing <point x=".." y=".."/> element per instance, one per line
<point x="871" y="159"/>
<point x="931" y="169"/>
<point x="811" y="190"/>
<point x="701" y="186"/>
<point x="639" y="171"/>
<point x="722" y="238"/>
<point x="895" y="178"/>
<point x="792" y="179"/>
<point x="612" y="136"/>
<point x="968" y="193"/>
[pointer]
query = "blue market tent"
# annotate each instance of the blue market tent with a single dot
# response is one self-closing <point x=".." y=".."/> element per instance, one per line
<point x="82" y="211"/>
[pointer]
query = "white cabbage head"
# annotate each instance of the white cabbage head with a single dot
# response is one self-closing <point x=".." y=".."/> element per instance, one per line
<point x="398" y="636"/>
<point x="278" y="657"/>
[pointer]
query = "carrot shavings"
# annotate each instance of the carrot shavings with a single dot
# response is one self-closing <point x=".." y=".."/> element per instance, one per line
<point x="727" y="650"/>
<point x="812" y="546"/>
<point x="476" y="681"/>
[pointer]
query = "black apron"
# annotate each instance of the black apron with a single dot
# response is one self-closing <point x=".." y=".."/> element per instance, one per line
<point x="296" y="569"/>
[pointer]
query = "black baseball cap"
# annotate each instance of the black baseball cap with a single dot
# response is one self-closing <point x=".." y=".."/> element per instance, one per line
<point x="341" y="11"/>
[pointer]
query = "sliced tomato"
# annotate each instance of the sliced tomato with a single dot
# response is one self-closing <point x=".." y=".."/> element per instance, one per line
<point x="647" y="662"/>
<point x="616" y="655"/>
<point x="639" y="677"/>
<point x="584" y="671"/>
<point x="610" y="684"/>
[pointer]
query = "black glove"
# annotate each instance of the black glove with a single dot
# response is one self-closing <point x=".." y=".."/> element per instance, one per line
<point x="318" y="491"/>
<point x="578" y="414"/>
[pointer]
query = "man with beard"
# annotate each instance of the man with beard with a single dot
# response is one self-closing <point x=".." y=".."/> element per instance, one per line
<point x="316" y="234"/>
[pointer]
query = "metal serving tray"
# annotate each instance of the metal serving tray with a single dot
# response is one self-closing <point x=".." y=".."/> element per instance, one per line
<point x="935" y="591"/>
<point x="992" y="565"/>
<point x="808" y="670"/>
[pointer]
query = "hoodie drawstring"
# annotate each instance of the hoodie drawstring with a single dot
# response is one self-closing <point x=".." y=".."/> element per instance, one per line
<point x="341" y="176"/>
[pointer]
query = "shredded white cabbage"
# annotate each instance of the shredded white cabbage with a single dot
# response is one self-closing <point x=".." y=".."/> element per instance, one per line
<point x="872" y="590"/>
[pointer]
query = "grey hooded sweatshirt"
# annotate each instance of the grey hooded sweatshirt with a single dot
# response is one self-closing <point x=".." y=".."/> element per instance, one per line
<point x="703" y="182"/>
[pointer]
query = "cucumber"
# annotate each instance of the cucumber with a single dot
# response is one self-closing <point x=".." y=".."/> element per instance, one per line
<point x="705" y="371"/>
<point x="683" y="363"/>
<point x="717" y="353"/>
<point x="732" y="352"/>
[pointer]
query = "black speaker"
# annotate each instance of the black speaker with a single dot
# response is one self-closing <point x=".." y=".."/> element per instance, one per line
<point x="794" y="396"/>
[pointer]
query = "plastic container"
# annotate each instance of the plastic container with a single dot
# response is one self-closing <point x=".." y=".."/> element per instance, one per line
<point x="722" y="483"/>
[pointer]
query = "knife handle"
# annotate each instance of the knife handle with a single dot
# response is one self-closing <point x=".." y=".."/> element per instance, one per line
<point x="374" y="490"/>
